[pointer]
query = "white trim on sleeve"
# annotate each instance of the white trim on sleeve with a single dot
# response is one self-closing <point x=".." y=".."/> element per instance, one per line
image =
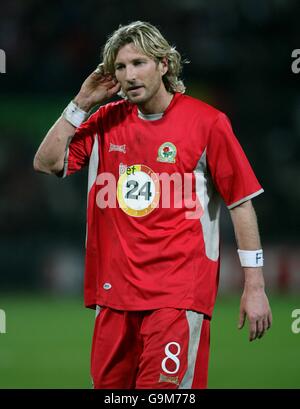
<point x="245" y="199"/>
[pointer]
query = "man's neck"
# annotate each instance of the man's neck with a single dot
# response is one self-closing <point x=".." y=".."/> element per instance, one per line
<point x="158" y="104"/>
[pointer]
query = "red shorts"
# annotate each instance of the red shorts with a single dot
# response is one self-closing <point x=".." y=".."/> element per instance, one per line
<point x="164" y="348"/>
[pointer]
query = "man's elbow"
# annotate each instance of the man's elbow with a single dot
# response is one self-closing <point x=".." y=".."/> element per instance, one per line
<point x="38" y="165"/>
<point x="49" y="169"/>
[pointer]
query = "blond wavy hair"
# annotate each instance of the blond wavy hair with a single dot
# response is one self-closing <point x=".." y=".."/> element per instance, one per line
<point x="149" y="40"/>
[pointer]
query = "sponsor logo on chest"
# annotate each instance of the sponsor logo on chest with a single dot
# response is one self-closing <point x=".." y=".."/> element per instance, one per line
<point x="166" y="152"/>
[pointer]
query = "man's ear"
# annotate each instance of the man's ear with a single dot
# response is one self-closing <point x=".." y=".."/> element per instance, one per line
<point x="164" y="65"/>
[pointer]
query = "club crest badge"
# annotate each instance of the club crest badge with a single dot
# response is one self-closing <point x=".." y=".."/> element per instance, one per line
<point x="167" y="153"/>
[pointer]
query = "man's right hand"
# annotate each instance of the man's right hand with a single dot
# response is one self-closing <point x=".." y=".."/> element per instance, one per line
<point x="97" y="88"/>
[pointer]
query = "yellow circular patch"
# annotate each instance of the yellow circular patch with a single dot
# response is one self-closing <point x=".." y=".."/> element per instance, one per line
<point x="138" y="190"/>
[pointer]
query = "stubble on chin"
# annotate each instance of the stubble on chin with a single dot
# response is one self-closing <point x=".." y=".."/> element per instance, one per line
<point x="136" y="100"/>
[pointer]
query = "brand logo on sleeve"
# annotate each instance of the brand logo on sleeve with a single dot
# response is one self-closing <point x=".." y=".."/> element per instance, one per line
<point x="117" y="148"/>
<point x="167" y="153"/>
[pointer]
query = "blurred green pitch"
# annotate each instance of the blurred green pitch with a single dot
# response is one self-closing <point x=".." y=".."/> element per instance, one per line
<point x="47" y="345"/>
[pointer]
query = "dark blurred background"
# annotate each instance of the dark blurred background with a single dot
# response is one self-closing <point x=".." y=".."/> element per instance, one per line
<point x="240" y="62"/>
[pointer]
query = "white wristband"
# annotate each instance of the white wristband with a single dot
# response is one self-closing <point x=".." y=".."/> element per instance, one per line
<point x="251" y="258"/>
<point x="74" y="114"/>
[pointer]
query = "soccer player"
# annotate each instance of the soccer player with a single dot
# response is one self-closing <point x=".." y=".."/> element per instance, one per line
<point x="160" y="162"/>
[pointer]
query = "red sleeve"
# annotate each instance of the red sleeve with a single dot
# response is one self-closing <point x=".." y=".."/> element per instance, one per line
<point x="230" y="169"/>
<point x="81" y="145"/>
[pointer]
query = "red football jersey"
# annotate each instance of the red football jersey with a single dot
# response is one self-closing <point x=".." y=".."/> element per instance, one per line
<point x="154" y="194"/>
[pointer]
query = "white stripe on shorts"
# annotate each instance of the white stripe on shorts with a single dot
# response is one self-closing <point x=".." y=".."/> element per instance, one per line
<point x="195" y="320"/>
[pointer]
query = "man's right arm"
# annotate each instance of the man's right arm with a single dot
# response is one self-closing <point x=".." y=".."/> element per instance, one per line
<point x="50" y="155"/>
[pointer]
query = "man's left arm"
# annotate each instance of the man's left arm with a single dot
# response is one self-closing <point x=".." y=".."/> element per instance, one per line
<point x="254" y="302"/>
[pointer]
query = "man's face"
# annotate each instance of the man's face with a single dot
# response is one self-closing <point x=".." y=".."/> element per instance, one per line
<point x="140" y="76"/>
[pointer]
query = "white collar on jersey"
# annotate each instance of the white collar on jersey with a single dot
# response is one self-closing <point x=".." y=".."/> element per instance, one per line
<point x="150" y="117"/>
